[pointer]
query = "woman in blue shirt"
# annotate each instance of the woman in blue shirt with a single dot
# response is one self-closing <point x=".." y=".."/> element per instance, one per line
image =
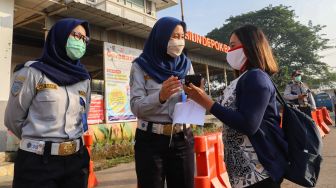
<point x="255" y="147"/>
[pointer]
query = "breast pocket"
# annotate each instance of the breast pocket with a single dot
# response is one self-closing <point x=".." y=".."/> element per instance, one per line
<point x="152" y="87"/>
<point x="47" y="105"/>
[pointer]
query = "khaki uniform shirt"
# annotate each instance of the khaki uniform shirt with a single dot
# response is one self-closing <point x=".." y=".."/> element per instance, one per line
<point x="145" y="103"/>
<point x="39" y="109"/>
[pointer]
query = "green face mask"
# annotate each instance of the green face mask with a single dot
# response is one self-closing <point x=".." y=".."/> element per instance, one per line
<point x="297" y="78"/>
<point x="75" y="49"/>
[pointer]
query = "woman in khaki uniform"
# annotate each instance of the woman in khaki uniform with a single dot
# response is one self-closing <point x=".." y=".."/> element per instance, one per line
<point x="47" y="110"/>
<point x="162" y="152"/>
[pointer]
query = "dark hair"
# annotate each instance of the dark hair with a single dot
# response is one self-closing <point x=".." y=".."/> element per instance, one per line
<point x="256" y="48"/>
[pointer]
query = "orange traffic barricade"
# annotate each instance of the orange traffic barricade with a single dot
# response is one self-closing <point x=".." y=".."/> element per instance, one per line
<point x="92" y="181"/>
<point x="210" y="166"/>
<point x="321" y="123"/>
<point x="326" y="116"/>
<point x="314" y="116"/>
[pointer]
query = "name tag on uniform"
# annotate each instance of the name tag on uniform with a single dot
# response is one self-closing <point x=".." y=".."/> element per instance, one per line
<point x="41" y="87"/>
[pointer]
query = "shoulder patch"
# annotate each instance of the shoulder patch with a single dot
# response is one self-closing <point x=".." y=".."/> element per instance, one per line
<point x="16" y="87"/>
<point x="44" y="86"/>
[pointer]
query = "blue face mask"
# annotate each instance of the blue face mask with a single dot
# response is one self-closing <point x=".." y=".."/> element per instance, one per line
<point x="297" y="78"/>
<point x="75" y="48"/>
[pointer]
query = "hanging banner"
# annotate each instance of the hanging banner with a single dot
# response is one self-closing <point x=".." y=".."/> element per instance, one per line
<point x="96" y="114"/>
<point x="117" y="66"/>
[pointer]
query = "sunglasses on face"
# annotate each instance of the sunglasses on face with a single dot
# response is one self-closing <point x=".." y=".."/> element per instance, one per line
<point x="80" y="36"/>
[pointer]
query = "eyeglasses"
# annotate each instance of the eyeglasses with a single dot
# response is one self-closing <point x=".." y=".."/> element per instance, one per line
<point x="80" y="36"/>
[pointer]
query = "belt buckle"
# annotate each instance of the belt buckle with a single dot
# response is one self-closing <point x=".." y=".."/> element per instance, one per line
<point x="167" y="130"/>
<point x="67" y="148"/>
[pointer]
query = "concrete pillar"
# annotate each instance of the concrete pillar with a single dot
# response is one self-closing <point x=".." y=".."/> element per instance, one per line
<point x="208" y="77"/>
<point x="49" y="21"/>
<point x="225" y="77"/>
<point x="6" y="30"/>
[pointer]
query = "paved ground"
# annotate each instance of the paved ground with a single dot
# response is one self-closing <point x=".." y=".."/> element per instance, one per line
<point x="123" y="176"/>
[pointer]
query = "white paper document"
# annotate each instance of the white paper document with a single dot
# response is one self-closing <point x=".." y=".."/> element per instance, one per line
<point x="189" y="112"/>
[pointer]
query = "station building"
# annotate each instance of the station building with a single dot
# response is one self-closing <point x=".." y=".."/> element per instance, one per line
<point x="119" y="29"/>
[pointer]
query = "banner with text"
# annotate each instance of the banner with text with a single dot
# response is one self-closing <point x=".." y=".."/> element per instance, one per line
<point x="117" y="66"/>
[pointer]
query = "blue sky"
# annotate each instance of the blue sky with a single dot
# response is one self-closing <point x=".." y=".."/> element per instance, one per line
<point x="204" y="15"/>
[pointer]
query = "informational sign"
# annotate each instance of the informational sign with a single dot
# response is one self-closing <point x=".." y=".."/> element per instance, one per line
<point x="117" y="66"/>
<point x="96" y="113"/>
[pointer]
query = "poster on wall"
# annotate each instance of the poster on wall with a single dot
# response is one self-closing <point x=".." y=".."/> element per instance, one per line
<point x="117" y="66"/>
<point x="96" y="113"/>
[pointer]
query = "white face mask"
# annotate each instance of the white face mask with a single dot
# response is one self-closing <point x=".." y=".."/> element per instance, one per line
<point x="175" y="47"/>
<point x="236" y="58"/>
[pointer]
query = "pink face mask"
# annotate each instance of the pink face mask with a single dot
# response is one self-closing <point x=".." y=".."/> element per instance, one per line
<point x="236" y="57"/>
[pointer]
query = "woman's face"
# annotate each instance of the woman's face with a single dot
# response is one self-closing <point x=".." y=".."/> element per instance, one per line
<point x="176" y="42"/>
<point x="178" y="33"/>
<point x="234" y="41"/>
<point x="77" y="42"/>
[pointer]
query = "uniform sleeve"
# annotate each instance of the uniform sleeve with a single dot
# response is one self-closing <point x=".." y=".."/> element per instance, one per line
<point x="311" y="100"/>
<point x="142" y="104"/>
<point x="253" y="100"/>
<point x="288" y="95"/>
<point x="20" y="98"/>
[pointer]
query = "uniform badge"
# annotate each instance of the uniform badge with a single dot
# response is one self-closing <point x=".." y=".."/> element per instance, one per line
<point x="146" y="77"/>
<point x="44" y="86"/>
<point x="82" y="93"/>
<point x="17" y="85"/>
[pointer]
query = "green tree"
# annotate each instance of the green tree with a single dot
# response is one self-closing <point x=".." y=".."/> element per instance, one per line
<point x="295" y="45"/>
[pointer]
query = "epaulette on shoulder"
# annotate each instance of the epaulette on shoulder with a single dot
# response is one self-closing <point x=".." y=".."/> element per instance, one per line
<point x="20" y="66"/>
<point x="29" y="63"/>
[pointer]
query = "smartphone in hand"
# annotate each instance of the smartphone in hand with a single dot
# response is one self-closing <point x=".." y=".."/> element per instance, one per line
<point x="195" y="79"/>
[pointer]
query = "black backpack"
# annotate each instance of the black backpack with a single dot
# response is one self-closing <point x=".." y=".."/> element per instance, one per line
<point x="304" y="145"/>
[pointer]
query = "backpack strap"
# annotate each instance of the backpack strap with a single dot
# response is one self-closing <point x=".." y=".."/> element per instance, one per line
<point x="279" y="98"/>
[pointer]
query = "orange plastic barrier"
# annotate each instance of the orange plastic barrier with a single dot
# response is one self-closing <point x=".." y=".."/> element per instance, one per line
<point x="92" y="181"/>
<point x="210" y="166"/>
<point x="326" y="116"/>
<point x="321" y="123"/>
<point x="314" y="116"/>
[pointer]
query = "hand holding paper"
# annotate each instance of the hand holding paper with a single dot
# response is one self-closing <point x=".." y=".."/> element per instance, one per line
<point x="189" y="112"/>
